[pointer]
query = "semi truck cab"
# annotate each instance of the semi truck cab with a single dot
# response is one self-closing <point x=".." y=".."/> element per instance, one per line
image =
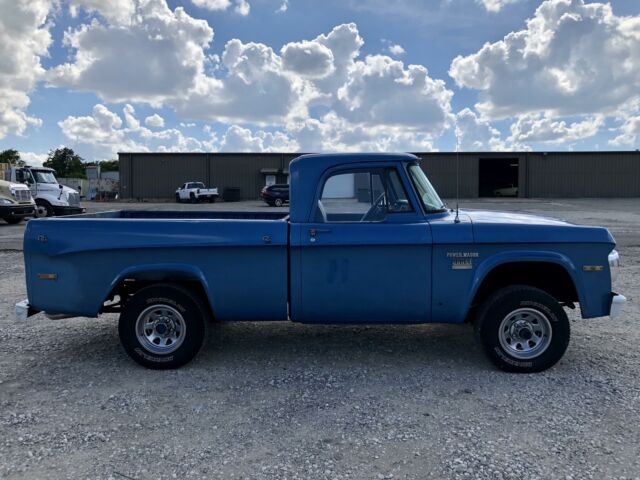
<point x="50" y="196"/>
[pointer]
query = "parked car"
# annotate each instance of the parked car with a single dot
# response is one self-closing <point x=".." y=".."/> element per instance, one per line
<point x="367" y="240"/>
<point x="509" y="191"/>
<point x="195" y="192"/>
<point x="275" y="195"/>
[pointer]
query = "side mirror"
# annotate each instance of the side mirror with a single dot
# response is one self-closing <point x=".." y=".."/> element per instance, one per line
<point x="61" y="187"/>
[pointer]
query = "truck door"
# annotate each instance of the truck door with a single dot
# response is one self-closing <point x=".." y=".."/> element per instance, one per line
<point x="365" y="254"/>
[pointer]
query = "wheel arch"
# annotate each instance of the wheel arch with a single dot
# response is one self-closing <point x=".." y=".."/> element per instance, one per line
<point x="551" y="272"/>
<point x="134" y="278"/>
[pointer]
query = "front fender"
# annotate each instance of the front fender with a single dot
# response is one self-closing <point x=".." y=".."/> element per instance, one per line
<point x="512" y="256"/>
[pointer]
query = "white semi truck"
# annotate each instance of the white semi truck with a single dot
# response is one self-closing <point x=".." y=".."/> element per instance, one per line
<point x="51" y="197"/>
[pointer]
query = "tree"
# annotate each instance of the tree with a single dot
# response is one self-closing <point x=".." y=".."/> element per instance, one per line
<point x="11" y="156"/>
<point x="105" y="165"/>
<point x="66" y="163"/>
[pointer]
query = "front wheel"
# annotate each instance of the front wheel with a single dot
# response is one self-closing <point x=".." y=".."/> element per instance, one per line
<point x="523" y="329"/>
<point x="13" y="220"/>
<point x="43" y="209"/>
<point x="162" y="326"/>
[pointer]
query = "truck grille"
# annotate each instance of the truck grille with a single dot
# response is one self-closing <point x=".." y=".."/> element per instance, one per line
<point x="22" y="195"/>
<point x="73" y="198"/>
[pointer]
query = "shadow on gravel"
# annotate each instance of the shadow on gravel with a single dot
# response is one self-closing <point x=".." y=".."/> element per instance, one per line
<point x="285" y="344"/>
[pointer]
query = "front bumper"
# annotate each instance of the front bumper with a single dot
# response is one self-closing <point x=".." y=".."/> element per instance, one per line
<point x="617" y="301"/>
<point x="16" y="211"/>
<point x="67" y="210"/>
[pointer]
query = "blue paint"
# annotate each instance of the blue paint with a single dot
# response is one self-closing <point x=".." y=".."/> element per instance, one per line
<point x="412" y="267"/>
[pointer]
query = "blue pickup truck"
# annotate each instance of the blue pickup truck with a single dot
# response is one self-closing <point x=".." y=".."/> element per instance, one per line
<point x="367" y="240"/>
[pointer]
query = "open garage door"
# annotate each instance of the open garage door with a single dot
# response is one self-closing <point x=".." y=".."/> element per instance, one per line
<point x="498" y="177"/>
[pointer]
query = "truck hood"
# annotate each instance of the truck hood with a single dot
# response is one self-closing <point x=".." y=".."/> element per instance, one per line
<point x="512" y="227"/>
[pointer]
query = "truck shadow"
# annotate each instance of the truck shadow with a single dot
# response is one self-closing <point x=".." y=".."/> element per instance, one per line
<point x="289" y="343"/>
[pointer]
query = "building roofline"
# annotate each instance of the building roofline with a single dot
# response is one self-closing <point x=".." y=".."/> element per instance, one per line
<point x="274" y="154"/>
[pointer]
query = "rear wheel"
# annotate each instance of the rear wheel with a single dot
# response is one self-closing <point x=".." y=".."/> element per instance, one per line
<point x="193" y="198"/>
<point x="13" y="220"/>
<point x="163" y="326"/>
<point x="523" y="329"/>
<point x="278" y="202"/>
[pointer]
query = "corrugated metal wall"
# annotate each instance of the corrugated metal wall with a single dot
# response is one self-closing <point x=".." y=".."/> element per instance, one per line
<point x="441" y="170"/>
<point x="585" y="174"/>
<point x="565" y="174"/>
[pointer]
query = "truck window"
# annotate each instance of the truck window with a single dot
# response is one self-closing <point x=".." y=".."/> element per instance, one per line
<point x="355" y="196"/>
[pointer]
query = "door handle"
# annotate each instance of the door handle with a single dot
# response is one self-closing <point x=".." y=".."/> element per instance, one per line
<point x="313" y="232"/>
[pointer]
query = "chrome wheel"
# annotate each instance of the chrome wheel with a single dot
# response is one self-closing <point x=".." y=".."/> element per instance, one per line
<point x="160" y="329"/>
<point x="525" y="333"/>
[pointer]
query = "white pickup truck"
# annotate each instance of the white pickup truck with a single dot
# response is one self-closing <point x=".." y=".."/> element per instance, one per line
<point x="195" y="192"/>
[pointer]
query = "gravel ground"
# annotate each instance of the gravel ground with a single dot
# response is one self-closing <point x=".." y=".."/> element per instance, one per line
<point x="280" y="400"/>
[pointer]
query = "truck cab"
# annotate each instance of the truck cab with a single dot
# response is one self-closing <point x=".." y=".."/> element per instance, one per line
<point x="16" y="202"/>
<point x="50" y="196"/>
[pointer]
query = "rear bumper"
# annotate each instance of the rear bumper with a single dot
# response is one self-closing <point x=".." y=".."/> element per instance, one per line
<point x="24" y="310"/>
<point x="67" y="210"/>
<point x="617" y="301"/>
<point x="16" y="211"/>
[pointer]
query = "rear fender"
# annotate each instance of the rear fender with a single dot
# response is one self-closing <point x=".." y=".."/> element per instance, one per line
<point x="163" y="272"/>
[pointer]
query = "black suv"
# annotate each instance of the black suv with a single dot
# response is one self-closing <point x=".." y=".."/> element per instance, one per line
<point x="275" y="195"/>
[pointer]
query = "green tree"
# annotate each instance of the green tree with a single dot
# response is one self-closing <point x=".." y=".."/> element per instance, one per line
<point x="11" y="156"/>
<point x="109" y="166"/>
<point x="105" y="165"/>
<point x="66" y="163"/>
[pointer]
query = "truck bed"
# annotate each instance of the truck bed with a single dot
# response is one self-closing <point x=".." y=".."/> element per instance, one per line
<point x="187" y="214"/>
<point x="239" y="258"/>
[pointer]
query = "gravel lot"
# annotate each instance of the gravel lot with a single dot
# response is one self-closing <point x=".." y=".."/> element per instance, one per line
<point x="280" y="400"/>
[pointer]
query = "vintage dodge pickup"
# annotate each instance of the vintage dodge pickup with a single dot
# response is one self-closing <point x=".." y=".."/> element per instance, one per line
<point x="367" y="240"/>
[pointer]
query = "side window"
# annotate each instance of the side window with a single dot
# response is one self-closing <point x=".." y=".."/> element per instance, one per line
<point x="355" y="196"/>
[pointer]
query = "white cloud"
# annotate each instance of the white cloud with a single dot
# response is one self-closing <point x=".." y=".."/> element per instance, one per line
<point x="545" y="129"/>
<point x="154" y="58"/>
<point x="34" y="159"/>
<point x="629" y="132"/>
<point x="238" y="139"/>
<point x="379" y="103"/>
<point x="103" y="134"/>
<point x="212" y="4"/>
<point x="396" y="50"/>
<point x="284" y="6"/>
<point x="335" y="134"/>
<point x="24" y="39"/>
<point x="155" y="121"/>
<point x="381" y="91"/>
<point x="117" y="12"/>
<point x="572" y="58"/>
<point x="255" y="89"/>
<point x="495" y="6"/>
<point x="242" y="8"/>
<point x="311" y="59"/>
<point x="476" y="134"/>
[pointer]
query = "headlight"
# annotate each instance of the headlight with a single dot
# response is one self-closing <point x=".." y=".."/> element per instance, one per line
<point x="5" y="201"/>
<point x="614" y="265"/>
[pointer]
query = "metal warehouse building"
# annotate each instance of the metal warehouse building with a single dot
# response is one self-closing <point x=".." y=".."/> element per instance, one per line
<point x="154" y="176"/>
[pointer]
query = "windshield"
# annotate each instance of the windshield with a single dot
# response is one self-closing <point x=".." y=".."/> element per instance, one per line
<point x="426" y="192"/>
<point x="44" y="176"/>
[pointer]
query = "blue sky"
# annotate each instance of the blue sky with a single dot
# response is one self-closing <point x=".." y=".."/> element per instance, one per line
<point x="361" y="75"/>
